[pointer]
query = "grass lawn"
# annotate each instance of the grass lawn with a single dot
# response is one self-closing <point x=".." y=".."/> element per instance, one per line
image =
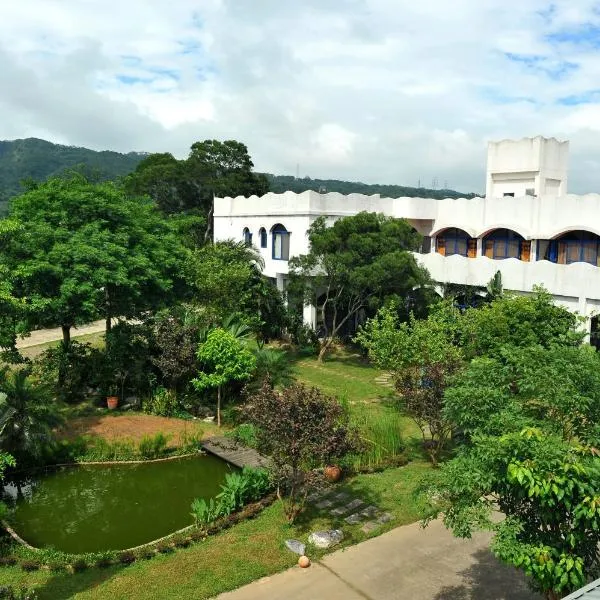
<point x="95" y="339"/>
<point x="248" y="551"/>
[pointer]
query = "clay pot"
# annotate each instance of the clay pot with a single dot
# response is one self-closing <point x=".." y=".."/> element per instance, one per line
<point x="332" y="473"/>
<point x="304" y="562"/>
<point x="112" y="402"/>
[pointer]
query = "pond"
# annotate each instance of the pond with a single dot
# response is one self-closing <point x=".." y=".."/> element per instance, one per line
<point x="111" y="507"/>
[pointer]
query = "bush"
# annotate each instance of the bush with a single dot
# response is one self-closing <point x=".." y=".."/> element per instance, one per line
<point x="79" y="565"/>
<point x="153" y="446"/>
<point x="162" y="403"/>
<point x="145" y="554"/>
<point x="8" y="592"/>
<point x="127" y="557"/>
<point x="244" y="434"/>
<point x="7" y="561"/>
<point x="30" y="565"/>
<point x="164" y="547"/>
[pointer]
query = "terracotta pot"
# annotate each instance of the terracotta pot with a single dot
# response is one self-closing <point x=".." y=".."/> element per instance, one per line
<point x="332" y="473"/>
<point x="112" y="402"/>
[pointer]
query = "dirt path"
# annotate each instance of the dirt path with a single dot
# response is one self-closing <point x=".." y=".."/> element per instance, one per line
<point x="135" y="427"/>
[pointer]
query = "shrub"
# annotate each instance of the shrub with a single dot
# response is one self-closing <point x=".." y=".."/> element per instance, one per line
<point x="162" y="403"/>
<point x="164" y="547"/>
<point x="245" y="434"/>
<point x="145" y="554"/>
<point x="79" y="565"/>
<point x="103" y="562"/>
<point x="127" y="557"/>
<point x="153" y="446"/>
<point x="205" y="512"/>
<point x="8" y="592"/>
<point x="30" y="565"/>
<point x="7" y="561"/>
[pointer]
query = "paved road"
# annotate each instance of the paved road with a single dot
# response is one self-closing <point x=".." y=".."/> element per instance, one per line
<point x="407" y="563"/>
<point x="43" y="336"/>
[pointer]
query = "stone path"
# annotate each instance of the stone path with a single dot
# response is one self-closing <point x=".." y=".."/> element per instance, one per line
<point x="385" y="380"/>
<point x="353" y="510"/>
<point x="234" y="453"/>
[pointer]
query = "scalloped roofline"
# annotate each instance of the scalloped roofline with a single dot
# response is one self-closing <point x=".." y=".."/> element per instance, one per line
<point x="546" y="139"/>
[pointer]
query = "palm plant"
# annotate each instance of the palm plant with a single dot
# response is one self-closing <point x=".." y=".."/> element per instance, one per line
<point x="27" y="415"/>
<point x="272" y="367"/>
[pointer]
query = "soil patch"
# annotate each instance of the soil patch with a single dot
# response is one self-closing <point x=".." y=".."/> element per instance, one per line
<point x="135" y="427"/>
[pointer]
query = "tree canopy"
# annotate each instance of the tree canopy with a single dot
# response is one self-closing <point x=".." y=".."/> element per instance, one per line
<point x="82" y="250"/>
<point x="355" y="265"/>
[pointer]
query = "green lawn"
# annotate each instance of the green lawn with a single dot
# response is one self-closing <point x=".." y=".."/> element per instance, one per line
<point x="95" y="339"/>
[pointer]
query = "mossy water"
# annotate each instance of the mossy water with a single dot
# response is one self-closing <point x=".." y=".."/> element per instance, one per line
<point x="90" y="508"/>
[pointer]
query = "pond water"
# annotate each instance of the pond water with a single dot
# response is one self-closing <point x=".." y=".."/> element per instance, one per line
<point x="111" y="507"/>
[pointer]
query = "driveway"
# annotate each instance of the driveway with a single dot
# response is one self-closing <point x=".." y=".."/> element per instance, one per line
<point x="407" y="563"/>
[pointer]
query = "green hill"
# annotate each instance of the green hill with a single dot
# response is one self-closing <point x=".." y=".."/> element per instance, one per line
<point x="283" y="183"/>
<point x="36" y="159"/>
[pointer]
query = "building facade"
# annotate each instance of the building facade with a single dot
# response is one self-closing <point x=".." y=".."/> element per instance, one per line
<point x="527" y="227"/>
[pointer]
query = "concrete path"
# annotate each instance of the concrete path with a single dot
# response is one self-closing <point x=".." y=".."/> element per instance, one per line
<point x="407" y="563"/>
<point x="43" y="336"/>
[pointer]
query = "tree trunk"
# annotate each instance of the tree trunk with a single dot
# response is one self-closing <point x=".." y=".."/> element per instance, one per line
<point x="324" y="349"/>
<point x="219" y="406"/>
<point x="66" y="331"/>
<point x="108" y="324"/>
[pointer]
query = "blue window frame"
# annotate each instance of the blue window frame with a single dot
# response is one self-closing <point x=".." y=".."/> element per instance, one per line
<point x="247" y="237"/>
<point x="263" y="237"/>
<point x="455" y="241"/>
<point x="281" y="243"/>
<point x="575" y="246"/>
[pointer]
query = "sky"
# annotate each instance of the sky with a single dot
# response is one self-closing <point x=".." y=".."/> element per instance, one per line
<point x="380" y="91"/>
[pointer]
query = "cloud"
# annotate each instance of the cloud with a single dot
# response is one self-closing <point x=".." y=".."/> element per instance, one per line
<point x="374" y="90"/>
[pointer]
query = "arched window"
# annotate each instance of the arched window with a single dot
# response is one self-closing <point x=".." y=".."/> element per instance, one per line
<point x="247" y="237"/>
<point x="455" y="241"/>
<point x="574" y="246"/>
<point x="281" y="242"/>
<point x="262" y="232"/>
<point x="505" y="243"/>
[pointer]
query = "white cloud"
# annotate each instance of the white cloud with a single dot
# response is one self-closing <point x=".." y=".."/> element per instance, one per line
<point x="383" y="91"/>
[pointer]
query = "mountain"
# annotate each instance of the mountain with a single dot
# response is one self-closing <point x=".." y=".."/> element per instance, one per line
<point x="39" y="159"/>
<point x="36" y="159"/>
<point x="283" y="183"/>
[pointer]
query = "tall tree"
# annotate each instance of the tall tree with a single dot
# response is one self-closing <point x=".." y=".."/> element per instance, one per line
<point x="355" y="265"/>
<point x="88" y="250"/>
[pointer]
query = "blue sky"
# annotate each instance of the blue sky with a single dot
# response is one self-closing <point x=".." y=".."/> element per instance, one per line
<point x="389" y="91"/>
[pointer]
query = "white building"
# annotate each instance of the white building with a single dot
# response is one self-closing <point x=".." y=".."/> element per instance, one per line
<point x="527" y="227"/>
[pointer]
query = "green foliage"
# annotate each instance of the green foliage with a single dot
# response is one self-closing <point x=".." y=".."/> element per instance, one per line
<point x="239" y="489"/>
<point x="162" y="403"/>
<point x="272" y="366"/>
<point x="86" y="250"/>
<point x="244" y="434"/>
<point x="8" y="592"/>
<point x="27" y="416"/>
<point x="154" y="446"/>
<point x="224" y="359"/>
<point x="422" y="357"/>
<point x="300" y="429"/>
<point x="356" y="264"/>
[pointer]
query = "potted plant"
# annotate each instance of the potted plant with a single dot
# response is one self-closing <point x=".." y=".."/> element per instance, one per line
<point x="112" y="400"/>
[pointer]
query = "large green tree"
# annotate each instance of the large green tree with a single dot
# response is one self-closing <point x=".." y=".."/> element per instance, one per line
<point x="84" y="251"/>
<point x="356" y="264"/>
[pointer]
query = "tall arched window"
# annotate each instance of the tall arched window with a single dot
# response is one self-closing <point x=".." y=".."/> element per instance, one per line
<point x="247" y="237"/>
<point x="456" y="241"/>
<point x="262" y="232"/>
<point x="574" y="246"/>
<point x="281" y="242"/>
<point x="505" y="243"/>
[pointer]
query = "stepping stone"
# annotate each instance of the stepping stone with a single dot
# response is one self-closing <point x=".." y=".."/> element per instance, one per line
<point x="354" y="519"/>
<point x="385" y="518"/>
<point x="342" y="497"/>
<point x="370" y="511"/>
<point x="354" y="504"/>
<point x="315" y="496"/>
<point x="326" y="539"/>
<point x="324" y="504"/>
<point x="340" y="510"/>
<point x="369" y="527"/>
<point x="296" y="546"/>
